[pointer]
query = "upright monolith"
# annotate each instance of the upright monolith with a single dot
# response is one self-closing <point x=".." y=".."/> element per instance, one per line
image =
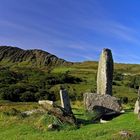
<point x="137" y="105"/>
<point x="105" y="73"/>
<point x="65" y="101"/>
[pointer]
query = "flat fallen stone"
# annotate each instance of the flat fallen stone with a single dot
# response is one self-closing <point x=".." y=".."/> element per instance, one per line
<point x="124" y="133"/>
<point x="92" y="100"/>
<point x="102" y="105"/>
<point x="30" y="112"/>
<point x="46" y="104"/>
<point x="42" y="102"/>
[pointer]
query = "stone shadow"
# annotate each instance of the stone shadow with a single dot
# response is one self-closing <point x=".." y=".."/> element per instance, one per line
<point x="98" y="113"/>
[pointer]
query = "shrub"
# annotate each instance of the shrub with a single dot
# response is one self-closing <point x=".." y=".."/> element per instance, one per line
<point x="12" y="112"/>
<point x="124" y="100"/>
<point x="134" y="82"/>
<point x="118" y="76"/>
<point x="10" y="93"/>
<point x="27" y="97"/>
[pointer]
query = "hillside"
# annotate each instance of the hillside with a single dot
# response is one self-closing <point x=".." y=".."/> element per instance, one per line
<point x="34" y="57"/>
<point x="30" y="75"/>
<point x="25" y="79"/>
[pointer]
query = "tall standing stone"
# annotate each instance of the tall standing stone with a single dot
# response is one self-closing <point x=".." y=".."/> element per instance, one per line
<point x="105" y="73"/>
<point x="65" y="101"/>
<point x="137" y="105"/>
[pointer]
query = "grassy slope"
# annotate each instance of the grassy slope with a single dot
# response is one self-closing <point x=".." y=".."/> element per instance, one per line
<point x="88" y="71"/>
<point x="14" y="128"/>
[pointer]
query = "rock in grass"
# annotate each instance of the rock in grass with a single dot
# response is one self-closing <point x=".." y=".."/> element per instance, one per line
<point x="125" y="133"/>
<point x="34" y="111"/>
<point x="105" y="73"/>
<point x="59" y="112"/>
<point x="101" y="104"/>
<point x="65" y="101"/>
<point x="46" y="104"/>
<point x="103" y="121"/>
<point x="62" y="115"/>
<point x="52" y="127"/>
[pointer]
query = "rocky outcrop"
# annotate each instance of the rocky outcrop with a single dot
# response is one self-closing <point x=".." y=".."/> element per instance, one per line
<point x="105" y="73"/>
<point x="35" y="57"/>
<point x="102" y="104"/>
<point x="61" y="113"/>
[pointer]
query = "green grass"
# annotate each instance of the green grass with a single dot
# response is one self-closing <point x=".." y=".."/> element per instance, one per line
<point x="30" y="128"/>
<point x="34" y="127"/>
<point x="87" y="71"/>
<point x="62" y="69"/>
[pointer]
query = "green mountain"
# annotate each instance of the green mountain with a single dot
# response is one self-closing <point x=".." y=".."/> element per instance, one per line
<point x="34" y="57"/>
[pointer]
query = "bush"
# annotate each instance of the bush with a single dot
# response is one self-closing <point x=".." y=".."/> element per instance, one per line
<point x="12" y="112"/>
<point x="116" y="83"/>
<point x="135" y="82"/>
<point x="42" y="94"/>
<point x="27" y="97"/>
<point x="12" y="93"/>
<point x="62" y="79"/>
<point x="118" y="76"/>
<point x="31" y="84"/>
<point x="124" y="100"/>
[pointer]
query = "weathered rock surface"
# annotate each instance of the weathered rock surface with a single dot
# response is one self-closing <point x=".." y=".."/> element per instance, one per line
<point x="34" y="57"/>
<point x="65" y="101"/>
<point x="101" y="103"/>
<point x="105" y="73"/>
<point x="61" y="113"/>
<point x="137" y="104"/>
<point x="137" y="107"/>
<point x="125" y="133"/>
<point x="30" y="112"/>
<point x="46" y="102"/>
<point x="53" y="127"/>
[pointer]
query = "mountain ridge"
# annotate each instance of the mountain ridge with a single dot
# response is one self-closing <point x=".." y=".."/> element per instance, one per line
<point x="35" y="57"/>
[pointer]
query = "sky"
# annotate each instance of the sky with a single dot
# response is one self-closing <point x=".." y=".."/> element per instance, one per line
<point x="75" y="30"/>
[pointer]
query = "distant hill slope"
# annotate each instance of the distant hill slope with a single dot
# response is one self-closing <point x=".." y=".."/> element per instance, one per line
<point x="34" y="57"/>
